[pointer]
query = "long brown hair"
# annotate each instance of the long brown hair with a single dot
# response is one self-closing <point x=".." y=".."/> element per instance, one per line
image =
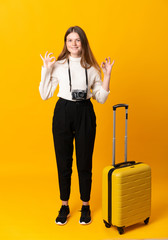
<point x="87" y="57"/>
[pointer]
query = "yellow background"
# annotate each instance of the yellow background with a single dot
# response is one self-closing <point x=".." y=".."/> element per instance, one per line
<point x="134" y="34"/>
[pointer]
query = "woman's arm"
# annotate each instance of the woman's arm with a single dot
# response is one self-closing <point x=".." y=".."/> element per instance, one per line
<point x="100" y="90"/>
<point x="48" y="82"/>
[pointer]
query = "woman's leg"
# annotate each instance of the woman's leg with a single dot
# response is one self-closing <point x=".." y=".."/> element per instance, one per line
<point x="63" y="144"/>
<point x="65" y="203"/>
<point x="84" y="141"/>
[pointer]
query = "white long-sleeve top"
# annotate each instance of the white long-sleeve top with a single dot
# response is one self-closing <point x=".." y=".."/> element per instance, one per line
<point x="58" y="74"/>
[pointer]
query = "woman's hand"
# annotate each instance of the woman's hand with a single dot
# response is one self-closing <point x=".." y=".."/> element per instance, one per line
<point x="47" y="60"/>
<point x="107" y="67"/>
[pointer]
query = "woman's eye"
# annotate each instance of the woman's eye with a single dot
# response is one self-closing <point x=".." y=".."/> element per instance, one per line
<point x="70" y="40"/>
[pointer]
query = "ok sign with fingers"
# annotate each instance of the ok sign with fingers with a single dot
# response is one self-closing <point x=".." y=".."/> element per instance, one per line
<point x="47" y="61"/>
<point x="107" y="67"/>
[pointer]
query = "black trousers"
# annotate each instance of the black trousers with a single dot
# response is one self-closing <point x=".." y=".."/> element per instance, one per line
<point x="74" y="120"/>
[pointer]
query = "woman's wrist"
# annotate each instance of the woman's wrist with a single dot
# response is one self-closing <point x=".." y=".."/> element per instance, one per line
<point x="106" y="82"/>
<point x="107" y="76"/>
<point x="47" y="67"/>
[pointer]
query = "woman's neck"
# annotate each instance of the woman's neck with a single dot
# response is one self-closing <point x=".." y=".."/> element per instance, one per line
<point x="75" y="56"/>
<point x="74" y="59"/>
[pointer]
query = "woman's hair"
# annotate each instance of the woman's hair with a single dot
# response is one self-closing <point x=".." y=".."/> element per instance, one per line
<point x="87" y="56"/>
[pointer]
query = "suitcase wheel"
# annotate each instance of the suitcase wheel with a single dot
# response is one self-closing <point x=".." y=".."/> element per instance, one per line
<point x="146" y="221"/>
<point x="108" y="225"/>
<point x="120" y="230"/>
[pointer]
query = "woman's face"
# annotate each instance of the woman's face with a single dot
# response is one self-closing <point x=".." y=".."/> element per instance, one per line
<point x="73" y="44"/>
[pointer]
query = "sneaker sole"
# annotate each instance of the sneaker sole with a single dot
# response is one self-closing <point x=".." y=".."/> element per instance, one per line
<point x="60" y="223"/>
<point x="83" y="223"/>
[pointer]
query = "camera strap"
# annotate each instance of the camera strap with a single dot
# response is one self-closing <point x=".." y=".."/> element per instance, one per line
<point x="70" y="84"/>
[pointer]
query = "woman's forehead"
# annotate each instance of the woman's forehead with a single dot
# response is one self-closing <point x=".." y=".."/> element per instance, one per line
<point x="73" y="35"/>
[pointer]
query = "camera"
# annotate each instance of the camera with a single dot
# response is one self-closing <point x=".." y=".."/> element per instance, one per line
<point x="79" y="94"/>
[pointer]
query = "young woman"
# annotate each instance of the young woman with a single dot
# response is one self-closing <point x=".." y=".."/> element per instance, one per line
<point x="79" y="77"/>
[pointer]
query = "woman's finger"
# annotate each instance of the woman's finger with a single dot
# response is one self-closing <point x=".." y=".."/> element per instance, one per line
<point x="49" y="54"/>
<point x="102" y="65"/>
<point x="53" y="58"/>
<point x="41" y="57"/>
<point x="46" y="54"/>
<point x="112" y="63"/>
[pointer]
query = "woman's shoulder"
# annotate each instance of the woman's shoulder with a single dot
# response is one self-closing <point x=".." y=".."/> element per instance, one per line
<point x="93" y="70"/>
<point x="59" y="63"/>
<point x="58" y="67"/>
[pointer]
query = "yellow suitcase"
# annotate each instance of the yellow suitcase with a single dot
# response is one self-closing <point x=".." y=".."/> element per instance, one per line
<point x="126" y="189"/>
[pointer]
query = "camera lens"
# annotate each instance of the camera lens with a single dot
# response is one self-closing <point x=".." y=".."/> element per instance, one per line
<point x="81" y="94"/>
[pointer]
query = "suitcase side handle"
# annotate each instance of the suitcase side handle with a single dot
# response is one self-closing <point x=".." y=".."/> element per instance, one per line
<point x="114" y="126"/>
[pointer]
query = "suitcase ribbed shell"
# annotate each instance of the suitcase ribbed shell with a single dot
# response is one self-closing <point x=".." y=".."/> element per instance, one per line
<point x="130" y="194"/>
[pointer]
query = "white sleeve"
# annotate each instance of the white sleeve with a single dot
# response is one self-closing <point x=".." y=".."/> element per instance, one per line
<point x="48" y="83"/>
<point x="98" y="92"/>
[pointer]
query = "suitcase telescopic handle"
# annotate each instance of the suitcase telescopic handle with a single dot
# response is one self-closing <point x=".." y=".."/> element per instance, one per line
<point x="114" y="128"/>
<point x="120" y="105"/>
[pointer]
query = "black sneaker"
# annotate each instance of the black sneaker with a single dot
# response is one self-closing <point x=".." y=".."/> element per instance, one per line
<point x="85" y="215"/>
<point x="62" y="216"/>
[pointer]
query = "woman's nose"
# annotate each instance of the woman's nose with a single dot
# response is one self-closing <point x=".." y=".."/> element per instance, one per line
<point x="74" y="43"/>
